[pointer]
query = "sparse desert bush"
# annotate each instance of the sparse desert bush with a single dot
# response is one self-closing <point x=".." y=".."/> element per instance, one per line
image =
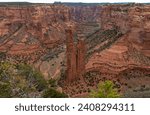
<point x="33" y="76"/>
<point x="52" y="93"/>
<point x="52" y="82"/>
<point x="105" y="90"/>
<point x="20" y="80"/>
<point x="5" y="90"/>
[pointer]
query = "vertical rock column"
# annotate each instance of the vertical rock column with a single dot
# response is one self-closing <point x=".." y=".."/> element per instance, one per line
<point x="80" y="57"/>
<point x="71" y="56"/>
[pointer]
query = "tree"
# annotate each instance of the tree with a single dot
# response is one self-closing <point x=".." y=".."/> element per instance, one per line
<point x="52" y="93"/>
<point x="20" y="80"/>
<point x="33" y="76"/>
<point x="105" y="90"/>
<point x="5" y="90"/>
<point x="52" y="83"/>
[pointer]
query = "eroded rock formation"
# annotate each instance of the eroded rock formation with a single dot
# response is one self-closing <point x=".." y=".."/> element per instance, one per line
<point x="116" y="43"/>
<point x="81" y="53"/>
<point x="75" y="54"/>
<point x="71" y="57"/>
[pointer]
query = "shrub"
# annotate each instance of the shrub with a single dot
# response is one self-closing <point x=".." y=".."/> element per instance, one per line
<point x="20" y="80"/>
<point x="5" y="90"/>
<point x="33" y="76"/>
<point x="52" y="82"/>
<point x="105" y="90"/>
<point x="5" y="71"/>
<point x="52" y="93"/>
<point x="2" y="54"/>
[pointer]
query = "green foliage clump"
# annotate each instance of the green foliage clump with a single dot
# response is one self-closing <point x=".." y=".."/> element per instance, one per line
<point x="5" y="71"/>
<point x="5" y="90"/>
<point x="33" y="76"/>
<point x="2" y="54"/>
<point x="52" y="93"/>
<point x="105" y="90"/>
<point x="5" y="76"/>
<point x="22" y="80"/>
<point x="52" y="82"/>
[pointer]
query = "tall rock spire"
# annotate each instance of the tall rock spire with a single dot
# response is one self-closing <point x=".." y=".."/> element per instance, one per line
<point x="71" y="56"/>
<point x="75" y="56"/>
<point x="80" y="56"/>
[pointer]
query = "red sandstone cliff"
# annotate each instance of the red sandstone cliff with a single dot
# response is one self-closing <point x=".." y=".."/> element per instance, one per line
<point x="133" y="23"/>
<point x="36" y="33"/>
<point x="125" y="60"/>
<point x="116" y="42"/>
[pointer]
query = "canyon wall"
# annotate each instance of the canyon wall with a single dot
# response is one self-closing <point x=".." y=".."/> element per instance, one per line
<point x="126" y="61"/>
<point x="132" y="20"/>
<point x="35" y="34"/>
<point x="86" y="13"/>
<point x="115" y="46"/>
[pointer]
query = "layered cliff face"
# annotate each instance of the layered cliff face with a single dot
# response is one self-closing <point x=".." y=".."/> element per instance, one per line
<point x="131" y="20"/>
<point x="86" y="13"/>
<point x="127" y="60"/>
<point x="115" y="46"/>
<point x="133" y="23"/>
<point x="35" y="34"/>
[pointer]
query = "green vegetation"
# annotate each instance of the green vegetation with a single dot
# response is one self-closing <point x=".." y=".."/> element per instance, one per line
<point x="52" y="93"/>
<point x="52" y="82"/>
<point x="5" y="90"/>
<point x="5" y="71"/>
<point x="22" y="80"/>
<point x="33" y="76"/>
<point x="105" y="90"/>
<point x="2" y="54"/>
<point x="5" y="87"/>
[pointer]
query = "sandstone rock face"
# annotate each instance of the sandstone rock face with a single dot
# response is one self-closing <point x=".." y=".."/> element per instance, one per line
<point x="35" y="34"/>
<point x="116" y="43"/>
<point x="86" y="13"/>
<point x="81" y="51"/>
<point x="130" y="53"/>
<point x="71" y="57"/>
<point x="75" y="57"/>
<point x="131" y="20"/>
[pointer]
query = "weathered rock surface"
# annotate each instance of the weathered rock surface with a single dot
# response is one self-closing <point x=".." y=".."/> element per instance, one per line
<point x="35" y="34"/>
<point x="117" y="43"/>
<point x="128" y="55"/>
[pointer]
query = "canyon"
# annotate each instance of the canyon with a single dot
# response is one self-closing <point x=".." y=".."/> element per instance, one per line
<point x="80" y="45"/>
